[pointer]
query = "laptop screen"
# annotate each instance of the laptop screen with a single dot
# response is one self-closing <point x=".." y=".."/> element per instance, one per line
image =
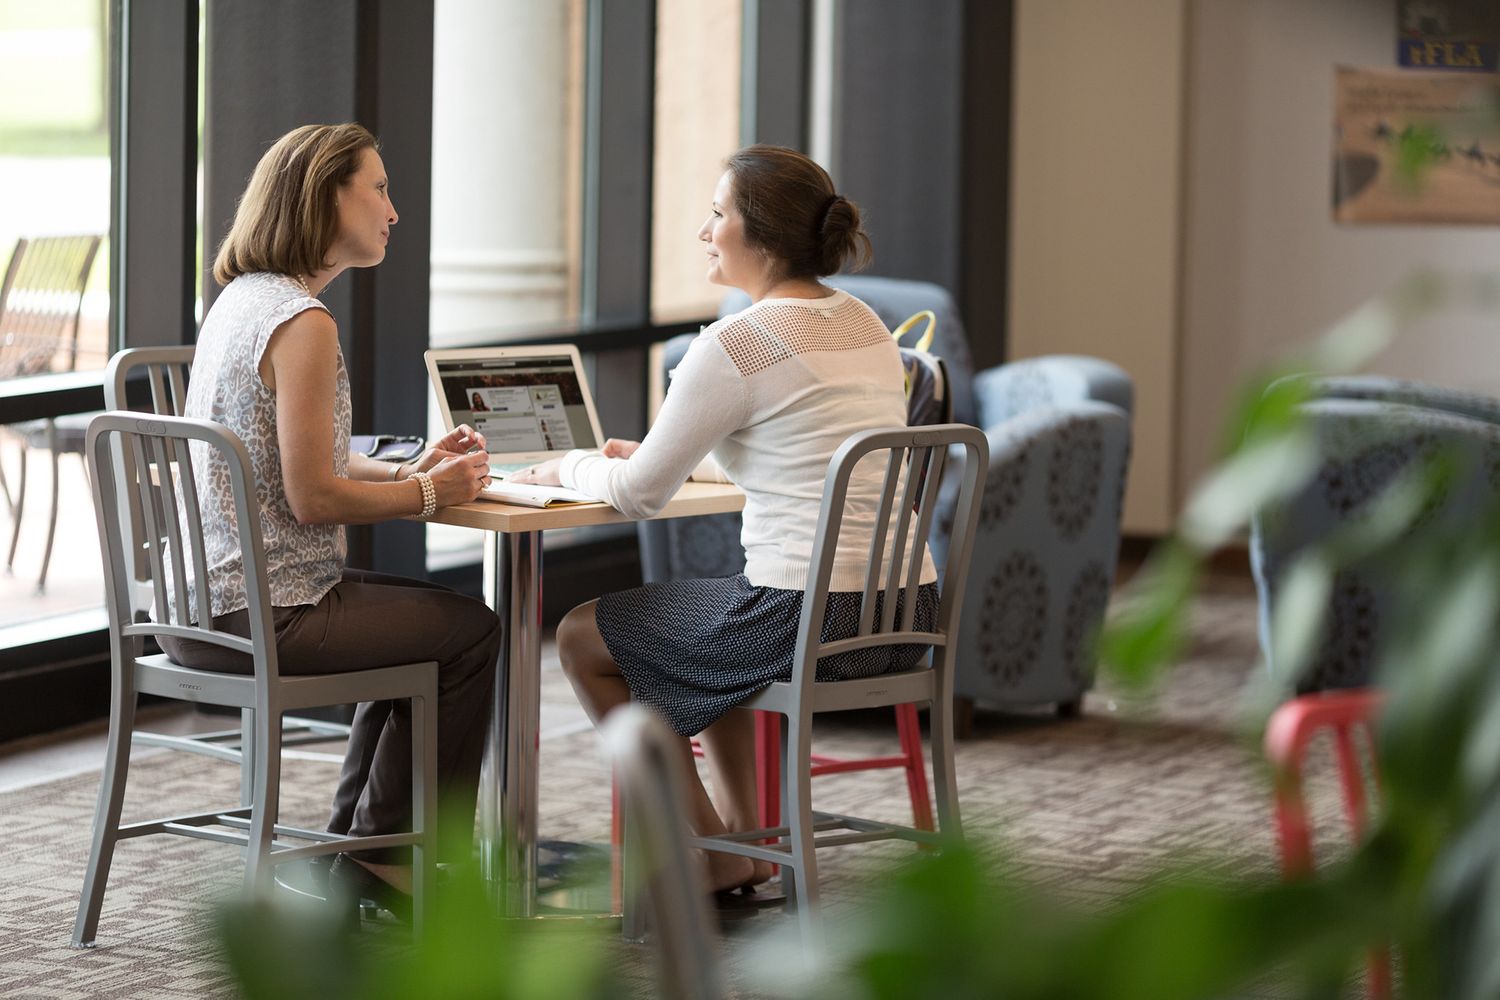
<point x="521" y="403"/>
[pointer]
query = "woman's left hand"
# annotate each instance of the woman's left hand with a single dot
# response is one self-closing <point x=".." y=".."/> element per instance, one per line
<point x="545" y="474"/>
<point x="462" y="440"/>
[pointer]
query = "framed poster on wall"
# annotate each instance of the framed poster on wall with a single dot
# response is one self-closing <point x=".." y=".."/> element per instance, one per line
<point x="1447" y="34"/>
<point x="1416" y="147"/>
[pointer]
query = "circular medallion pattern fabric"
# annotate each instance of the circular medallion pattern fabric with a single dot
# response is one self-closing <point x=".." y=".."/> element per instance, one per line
<point x="1073" y="476"/>
<point x="706" y="546"/>
<point x="1492" y="466"/>
<point x="1087" y="602"/>
<point x="1013" y="618"/>
<point x="1347" y="655"/>
<point x="1004" y="485"/>
<point x="1025" y="386"/>
<point x="1122" y="481"/>
<point x="1350" y="484"/>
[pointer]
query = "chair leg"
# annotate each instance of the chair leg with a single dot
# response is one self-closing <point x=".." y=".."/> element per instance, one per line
<point x="266" y="805"/>
<point x="16" y="511"/>
<point x="247" y="756"/>
<point x="768" y="767"/>
<point x="628" y="888"/>
<point x="106" y="815"/>
<point x="41" y="579"/>
<point x="909" y="729"/>
<point x="802" y="860"/>
<point x="782" y="731"/>
<point x="944" y="779"/>
<point x="423" y="808"/>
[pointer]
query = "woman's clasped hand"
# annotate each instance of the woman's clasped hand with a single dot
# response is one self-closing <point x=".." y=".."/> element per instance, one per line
<point x="458" y="464"/>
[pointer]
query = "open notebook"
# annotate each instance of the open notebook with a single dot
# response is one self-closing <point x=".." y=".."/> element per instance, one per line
<point x="528" y="495"/>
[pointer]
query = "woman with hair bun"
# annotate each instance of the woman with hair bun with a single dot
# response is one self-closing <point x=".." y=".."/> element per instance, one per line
<point x="763" y="398"/>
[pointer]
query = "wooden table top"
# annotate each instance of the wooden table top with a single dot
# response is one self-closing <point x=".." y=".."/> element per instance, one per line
<point x="692" y="500"/>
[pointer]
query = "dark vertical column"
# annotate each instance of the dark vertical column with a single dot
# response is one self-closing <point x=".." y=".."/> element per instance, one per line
<point x="272" y="65"/>
<point x="921" y="139"/>
<point x="277" y="64"/>
<point x="773" y="106"/>
<point x="395" y="99"/>
<point x="618" y="148"/>
<point x="984" y="265"/>
<point x="153" y="204"/>
<point x="897" y="140"/>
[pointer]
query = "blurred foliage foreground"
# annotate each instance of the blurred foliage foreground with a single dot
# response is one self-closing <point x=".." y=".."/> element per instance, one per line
<point x="951" y="925"/>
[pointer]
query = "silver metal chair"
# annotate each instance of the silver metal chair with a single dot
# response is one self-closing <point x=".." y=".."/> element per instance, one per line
<point x="649" y="772"/>
<point x="159" y="449"/>
<point x="167" y="370"/>
<point x="907" y="523"/>
<point x="41" y="301"/>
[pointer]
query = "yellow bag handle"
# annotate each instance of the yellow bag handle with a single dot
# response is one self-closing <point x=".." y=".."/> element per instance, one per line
<point x="924" y="341"/>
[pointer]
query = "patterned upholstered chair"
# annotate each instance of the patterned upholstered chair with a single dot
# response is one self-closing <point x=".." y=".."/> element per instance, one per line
<point x="1049" y="530"/>
<point x="1386" y="389"/>
<point x="1364" y="446"/>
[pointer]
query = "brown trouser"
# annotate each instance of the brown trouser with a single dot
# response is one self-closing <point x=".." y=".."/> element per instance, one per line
<point x="373" y="620"/>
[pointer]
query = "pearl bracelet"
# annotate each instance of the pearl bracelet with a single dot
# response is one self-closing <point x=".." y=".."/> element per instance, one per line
<point x="429" y="493"/>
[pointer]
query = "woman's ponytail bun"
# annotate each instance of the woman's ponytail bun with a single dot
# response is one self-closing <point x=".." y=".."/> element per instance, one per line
<point x="793" y="214"/>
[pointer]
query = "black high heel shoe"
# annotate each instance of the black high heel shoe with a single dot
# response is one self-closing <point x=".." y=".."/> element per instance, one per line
<point x="351" y="884"/>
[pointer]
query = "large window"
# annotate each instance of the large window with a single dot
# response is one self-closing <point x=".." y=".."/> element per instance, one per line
<point x="697" y="125"/>
<point x="507" y="188"/>
<point x="55" y="178"/>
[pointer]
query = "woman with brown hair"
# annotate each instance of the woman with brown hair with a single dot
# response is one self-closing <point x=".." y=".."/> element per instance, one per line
<point x="766" y="396"/>
<point x="268" y="366"/>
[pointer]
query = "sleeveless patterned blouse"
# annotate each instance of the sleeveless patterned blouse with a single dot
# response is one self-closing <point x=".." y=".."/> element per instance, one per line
<point x="303" y="561"/>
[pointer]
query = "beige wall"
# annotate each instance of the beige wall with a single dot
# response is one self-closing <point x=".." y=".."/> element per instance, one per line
<point x="1265" y="269"/>
<point x="1095" y="207"/>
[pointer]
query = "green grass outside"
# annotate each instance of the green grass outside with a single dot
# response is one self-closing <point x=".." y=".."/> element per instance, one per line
<point x="53" y="66"/>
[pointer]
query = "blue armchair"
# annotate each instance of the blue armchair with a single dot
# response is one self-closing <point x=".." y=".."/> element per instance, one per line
<point x="1364" y="445"/>
<point x="1386" y="389"/>
<point x="1049" y="530"/>
<point x="1045" y="549"/>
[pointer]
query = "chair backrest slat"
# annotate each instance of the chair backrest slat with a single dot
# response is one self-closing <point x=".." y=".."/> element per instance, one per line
<point x="877" y="541"/>
<point x="162" y="448"/>
<point x="182" y="452"/>
<point x="41" y="300"/>
<point x="927" y="447"/>
<point x="918" y="462"/>
<point x="160" y="401"/>
<point x="168" y="382"/>
<point x="166" y="489"/>
<point x="925" y="507"/>
<point x="178" y="375"/>
<point x="165" y="368"/>
<point x="150" y="503"/>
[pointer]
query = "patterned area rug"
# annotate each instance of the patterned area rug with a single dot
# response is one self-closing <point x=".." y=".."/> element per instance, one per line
<point x="1086" y="806"/>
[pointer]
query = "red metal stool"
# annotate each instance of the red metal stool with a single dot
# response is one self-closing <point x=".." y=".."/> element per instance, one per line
<point x="1291" y="729"/>
<point x="768" y="775"/>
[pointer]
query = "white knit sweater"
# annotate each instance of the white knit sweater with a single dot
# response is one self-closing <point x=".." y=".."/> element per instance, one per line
<point x="771" y="392"/>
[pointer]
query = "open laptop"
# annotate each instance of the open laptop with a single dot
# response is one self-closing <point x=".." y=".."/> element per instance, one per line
<point x="531" y="403"/>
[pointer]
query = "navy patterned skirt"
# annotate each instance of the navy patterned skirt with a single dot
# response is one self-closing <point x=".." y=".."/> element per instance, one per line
<point x="694" y="649"/>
